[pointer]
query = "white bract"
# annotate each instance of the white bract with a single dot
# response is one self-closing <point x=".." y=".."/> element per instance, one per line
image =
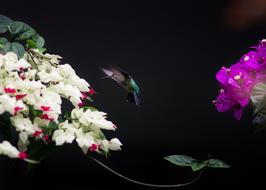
<point x="31" y="92"/>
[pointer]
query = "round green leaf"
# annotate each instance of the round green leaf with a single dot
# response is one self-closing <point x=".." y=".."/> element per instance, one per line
<point x="30" y="43"/>
<point x="21" y="31"/>
<point x="4" y="23"/>
<point x="15" y="47"/>
<point x="198" y="165"/>
<point x="18" y="49"/>
<point x="7" y="47"/>
<point x="38" y="40"/>
<point x="180" y="160"/>
<point x="215" y="163"/>
<point x="3" y="41"/>
<point x="258" y="95"/>
<point x="258" y="98"/>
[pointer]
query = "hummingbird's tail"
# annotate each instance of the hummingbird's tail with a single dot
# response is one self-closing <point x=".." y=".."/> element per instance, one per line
<point x="134" y="98"/>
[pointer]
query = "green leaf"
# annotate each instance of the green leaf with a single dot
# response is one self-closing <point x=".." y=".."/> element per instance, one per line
<point x="42" y="50"/>
<point x="7" y="47"/>
<point x="49" y="130"/>
<point x="39" y="41"/>
<point x="4" y="23"/>
<point x="180" y="160"/>
<point x="3" y="41"/>
<point x="215" y="163"/>
<point x="21" y="31"/>
<point x="67" y="114"/>
<point x="85" y="108"/>
<point x="15" y="47"/>
<point x="30" y="43"/>
<point x="18" y="49"/>
<point x="34" y="113"/>
<point x="90" y="99"/>
<point x="198" y="165"/>
<point x="36" y="41"/>
<point x="258" y="98"/>
<point x="258" y="95"/>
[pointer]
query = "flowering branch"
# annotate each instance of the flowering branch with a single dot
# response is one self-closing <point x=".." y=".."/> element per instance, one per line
<point x="32" y="86"/>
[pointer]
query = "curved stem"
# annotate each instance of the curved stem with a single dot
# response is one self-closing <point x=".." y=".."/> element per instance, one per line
<point x="148" y="184"/>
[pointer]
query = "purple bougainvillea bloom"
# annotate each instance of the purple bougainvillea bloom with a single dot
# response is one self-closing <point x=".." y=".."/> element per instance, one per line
<point x="238" y="80"/>
<point x="250" y="62"/>
<point x="237" y="83"/>
<point x="225" y="103"/>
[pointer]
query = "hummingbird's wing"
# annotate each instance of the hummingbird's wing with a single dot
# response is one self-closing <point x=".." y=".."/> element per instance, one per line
<point x="134" y="98"/>
<point x="115" y="74"/>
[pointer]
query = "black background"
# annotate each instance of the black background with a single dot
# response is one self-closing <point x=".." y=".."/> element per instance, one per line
<point x="173" y="50"/>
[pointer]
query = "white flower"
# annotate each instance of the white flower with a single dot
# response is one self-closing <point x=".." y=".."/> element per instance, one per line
<point x="23" y="136"/>
<point x="7" y="104"/>
<point x="30" y="74"/>
<point x="64" y="135"/>
<point x="96" y="119"/>
<point x="10" y="58"/>
<point x="23" y="124"/>
<point x="59" y="137"/>
<point x="77" y="113"/>
<point x="49" y="76"/>
<point x="23" y="142"/>
<point x="54" y="59"/>
<point x="66" y="70"/>
<point x="70" y="92"/>
<point x="8" y="150"/>
<point x="12" y="152"/>
<point x="71" y="78"/>
<point x="10" y="104"/>
<point x="115" y="144"/>
<point x="16" y="65"/>
<point x="84" y="140"/>
<point x="81" y="84"/>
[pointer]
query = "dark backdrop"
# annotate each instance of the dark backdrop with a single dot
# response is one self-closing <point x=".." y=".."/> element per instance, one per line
<point x="173" y="49"/>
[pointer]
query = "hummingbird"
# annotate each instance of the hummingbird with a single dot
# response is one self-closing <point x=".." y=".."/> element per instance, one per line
<point x="126" y="81"/>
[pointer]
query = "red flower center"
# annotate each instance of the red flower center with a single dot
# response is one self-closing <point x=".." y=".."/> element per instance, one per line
<point x="45" y="108"/>
<point x="20" y="96"/>
<point x="81" y="104"/>
<point x="84" y="95"/>
<point x="94" y="147"/>
<point x="23" y="155"/>
<point x="46" y="137"/>
<point x="91" y="91"/>
<point x="10" y="90"/>
<point x="45" y="116"/>
<point x="17" y="108"/>
<point x="37" y="133"/>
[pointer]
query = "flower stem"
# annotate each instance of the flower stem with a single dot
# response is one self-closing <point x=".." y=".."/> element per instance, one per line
<point x="149" y="184"/>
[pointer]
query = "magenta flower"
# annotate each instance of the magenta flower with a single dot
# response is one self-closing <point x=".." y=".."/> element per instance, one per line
<point x="250" y="62"/>
<point x="239" y="80"/>
<point x="225" y="103"/>
<point x="237" y="83"/>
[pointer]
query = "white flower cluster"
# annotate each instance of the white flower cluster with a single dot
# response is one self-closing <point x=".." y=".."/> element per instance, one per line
<point x="31" y="92"/>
